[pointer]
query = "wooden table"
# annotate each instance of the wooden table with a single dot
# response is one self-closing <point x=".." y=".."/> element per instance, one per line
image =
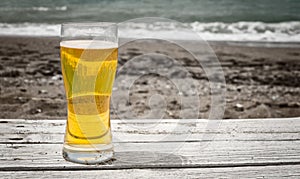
<point x="254" y="148"/>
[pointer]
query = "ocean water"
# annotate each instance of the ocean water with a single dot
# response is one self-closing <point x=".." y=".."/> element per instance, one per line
<point x="229" y="20"/>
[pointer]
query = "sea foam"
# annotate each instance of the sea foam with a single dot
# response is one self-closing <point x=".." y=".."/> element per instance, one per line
<point x="214" y="31"/>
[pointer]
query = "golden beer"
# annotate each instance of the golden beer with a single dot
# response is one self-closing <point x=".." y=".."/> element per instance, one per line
<point x="88" y="69"/>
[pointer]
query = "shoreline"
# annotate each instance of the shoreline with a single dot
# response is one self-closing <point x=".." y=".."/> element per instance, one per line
<point x="266" y="44"/>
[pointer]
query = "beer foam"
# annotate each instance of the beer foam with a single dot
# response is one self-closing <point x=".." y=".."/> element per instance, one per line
<point x="88" y="44"/>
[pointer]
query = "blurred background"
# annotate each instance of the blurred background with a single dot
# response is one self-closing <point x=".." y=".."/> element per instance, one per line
<point x="256" y="20"/>
<point x="256" y="41"/>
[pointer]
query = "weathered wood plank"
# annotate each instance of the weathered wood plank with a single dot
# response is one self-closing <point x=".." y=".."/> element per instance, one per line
<point x="37" y="144"/>
<point x="236" y="172"/>
<point x="219" y="153"/>
<point x="51" y="131"/>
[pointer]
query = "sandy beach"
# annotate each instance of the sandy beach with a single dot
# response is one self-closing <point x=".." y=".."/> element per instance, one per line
<point x="261" y="82"/>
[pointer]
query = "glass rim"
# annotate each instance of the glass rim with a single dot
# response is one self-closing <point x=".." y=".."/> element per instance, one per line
<point x="89" y="24"/>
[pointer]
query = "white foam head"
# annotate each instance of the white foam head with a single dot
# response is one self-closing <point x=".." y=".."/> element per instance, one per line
<point x="88" y="44"/>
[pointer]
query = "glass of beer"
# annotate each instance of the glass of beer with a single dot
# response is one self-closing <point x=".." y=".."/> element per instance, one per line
<point x="89" y="53"/>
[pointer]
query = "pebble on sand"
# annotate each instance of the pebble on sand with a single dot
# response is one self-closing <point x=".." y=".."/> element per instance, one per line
<point x="239" y="107"/>
<point x="42" y="91"/>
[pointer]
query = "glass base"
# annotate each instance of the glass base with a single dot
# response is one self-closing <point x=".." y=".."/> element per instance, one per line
<point x="88" y="154"/>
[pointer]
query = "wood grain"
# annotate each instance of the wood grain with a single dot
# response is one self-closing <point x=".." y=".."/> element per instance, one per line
<point x="236" y="172"/>
<point x="52" y="131"/>
<point x="28" y="145"/>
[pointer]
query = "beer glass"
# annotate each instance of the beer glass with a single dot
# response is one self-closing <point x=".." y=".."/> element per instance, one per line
<point x="89" y="53"/>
